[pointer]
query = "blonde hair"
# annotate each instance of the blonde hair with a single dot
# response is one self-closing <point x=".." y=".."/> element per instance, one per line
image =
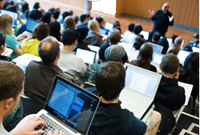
<point x="94" y="25"/>
<point x="69" y="23"/>
<point x="6" y="23"/>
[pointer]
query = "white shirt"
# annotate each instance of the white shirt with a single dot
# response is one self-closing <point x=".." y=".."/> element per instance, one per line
<point x="3" y="131"/>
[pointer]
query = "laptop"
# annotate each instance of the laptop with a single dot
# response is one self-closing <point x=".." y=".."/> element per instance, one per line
<point x="182" y="56"/>
<point x="104" y="31"/>
<point x="14" y="16"/>
<point x="68" y="108"/>
<point x="195" y="49"/>
<point x="140" y="89"/>
<point x="30" y="25"/>
<point x="88" y="56"/>
<point x="145" y="34"/>
<point x="156" y="48"/>
<point x="129" y="37"/>
<point x="157" y="57"/>
<point x="95" y="48"/>
<point x="108" y="26"/>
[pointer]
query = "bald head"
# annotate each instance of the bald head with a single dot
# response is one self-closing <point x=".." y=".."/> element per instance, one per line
<point x="165" y="7"/>
<point x="48" y="50"/>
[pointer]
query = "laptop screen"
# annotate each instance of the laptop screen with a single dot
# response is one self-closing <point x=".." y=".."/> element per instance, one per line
<point x="157" y="48"/>
<point x="182" y="56"/>
<point x="141" y="81"/>
<point x="72" y="105"/>
<point x="145" y="34"/>
<point x="157" y="57"/>
<point x="30" y="25"/>
<point x="14" y="16"/>
<point x="108" y="26"/>
<point x="104" y="31"/>
<point x="88" y="56"/>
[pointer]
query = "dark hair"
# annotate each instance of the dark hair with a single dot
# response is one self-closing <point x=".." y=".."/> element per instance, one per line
<point x="65" y="14"/>
<point x="25" y="6"/>
<point x="46" y="18"/>
<point x="82" y="17"/>
<point x="6" y="4"/>
<point x="131" y="26"/>
<point x="2" y="39"/>
<point x="110" y="80"/>
<point x="35" y="14"/>
<point x="55" y="30"/>
<point x="12" y="78"/>
<point x="41" y="31"/>
<point x="114" y="36"/>
<point x="150" y="36"/>
<point x="196" y="36"/>
<point x="70" y="36"/>
<point x="87" y="15"/>
<point x="99" y="20"/>
<point x="36" y="5"/>
<point x="144" y="57"/>
<point x="137" y="29"/>
<point x="70" y="12"/>
<point x="191" y="68"/>
<point x="51" y="9"/>
<point x="56" y="14"/>
<point x="12" y="3"/>
<point x="138" y="42"/>
<point x="173" y="38"/>
<point x="48" y="55"/>
<point x="156" y="36"/>
<point x="12" y="8"/>
<point x="76" y="19"/>
<point x="169" y="63"/>
<point x="116" y="24"/>
<point x="83" y="31"/>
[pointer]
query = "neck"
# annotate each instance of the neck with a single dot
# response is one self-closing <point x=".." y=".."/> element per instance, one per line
<point x="68" y="48"/>
<point x="171" y="76"/>
<point x="109" y="101"/>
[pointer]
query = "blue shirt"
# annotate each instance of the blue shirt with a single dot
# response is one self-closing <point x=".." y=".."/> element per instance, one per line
<point x="11" y="43"/>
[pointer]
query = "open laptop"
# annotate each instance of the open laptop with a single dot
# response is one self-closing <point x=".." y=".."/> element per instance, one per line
<point x="157" y="57"/>
<point x="145" y="34"/>
<point x="95" y="48"/>
<point x="182" y="56"/>
<point x="195" y="49"/>
<point x="88" y="56"/>
<point x="129" y="37"/>
<point x="14" y="16"/>
<point x="104" y="31"/>
<point x="108" y="26"/>
<point x="156" y="48"/>
<point x="30" y="25"/>
<point x="68" y="108"/>
<point x="140" y="89"/>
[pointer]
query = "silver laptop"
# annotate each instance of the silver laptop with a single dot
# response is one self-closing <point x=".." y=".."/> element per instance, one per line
<point x="95" y="48"/>
<point x="156" y="48"/>
<point x="145" y="34"/>
<point x="108" y="26"/>
<point x="30" y="25"/>
<point x="140" y="89"/>
<point x="157" y="57"/>
<point x="129" y="37"/>
<point x="88" y="56"/>
<point x="182" y="56"/>
<point x="14" y="16"/>
<point x="68" y="108"/>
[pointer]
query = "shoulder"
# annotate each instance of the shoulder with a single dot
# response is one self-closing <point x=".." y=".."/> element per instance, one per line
<point x="153" y="68"/>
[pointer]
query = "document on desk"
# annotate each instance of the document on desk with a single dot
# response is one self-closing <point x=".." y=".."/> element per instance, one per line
<point x="188" y="90"/>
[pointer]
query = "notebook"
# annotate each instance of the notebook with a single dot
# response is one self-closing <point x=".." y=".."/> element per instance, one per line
<point x="30" y="25"/>
<point x="108" y="26"/>
<point x="104" y="31"/>
<point x="145" y="34"/>
<point x="68" y="108"/>
<point x="88" y="56"/>
<point x="157" y="57"/>
<point x="14" y="16"/>
<point x="182" y="56"/>
<point x="156" y="48"/>
<point x="140" y="89"/>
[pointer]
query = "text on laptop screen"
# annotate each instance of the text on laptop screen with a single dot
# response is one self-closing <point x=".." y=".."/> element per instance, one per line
<point x="14" y="16"/>
<point x="108" y="26"/>
<point x="104" y="31"/>
<point x="145" y="34"/>
<point x="157" y="48"/>
<point x="87" y="55"/>
<point x="72" y="106"/>
<point x="30" y="25"/>
<point x="157" y="58"/>
<point x="140" y="81"/>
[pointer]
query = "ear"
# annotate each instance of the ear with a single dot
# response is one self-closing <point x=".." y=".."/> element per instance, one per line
<point x="58" y="55"/>
<point x="178" y="69"/>
<point x="75" y="42"/>
<point x="8" y="102"/>
<point x="2" y="46"/>
<point x="160" y="66"/>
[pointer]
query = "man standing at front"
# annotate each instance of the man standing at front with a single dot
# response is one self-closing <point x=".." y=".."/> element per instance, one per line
<point x="162" y="19"/>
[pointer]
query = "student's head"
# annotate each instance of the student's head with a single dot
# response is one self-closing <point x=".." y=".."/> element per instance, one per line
<point x="41" y="31"/>
<point x="49" y="50"/>
<point x="55" y="29"/>
<point x="11" y="86"/>
<point x="114" y="53"/>
<point x="56" y="14"/>
<point x="88" y="17"/>
<point x="110" y="80"/>
<point x="93" y="25"/>
<point x="178" y="41"/>
<point x="101" y="21"/>
<point x="25" y="6"/>
<point x="196" y="36"/>
<point x="2" y="3"/>
<point x="6" y="23"/>
<point x="116" y="25"/>
<point x="35" y="14"/>
<point x="114" y="36"/>
<point x="6" y="3"/>
<point x="69" y="23"/>
<point x="51" y="9"/>
<point x="146" y="52"/>
<point x="83" y="18"/>
<point x="165" y="7"/>
<point x="36" y="5"/>
<point x="70" y="37"/>
<point x="65" y="14"/>
<point x="131" y="27"/>
<point x="156" y="36"/>
<point x="83" y="31"/>
<point x="138" y="42"/>
<point x="137" y="29"/>
<point x="70" y="12"/>
<point x="174" y="49"/>
<point x="76" y="19"/>
<point x="12" y="8"/>
<point x="173" y="38"/>
<point x="47" y="17"/>
<point x="2" y="42"/>
<point x="169" y="64"/>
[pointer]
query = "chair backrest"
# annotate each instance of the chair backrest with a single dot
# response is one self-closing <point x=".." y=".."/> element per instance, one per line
<point x="89" y="84"/>
<point x="70" y="76"/>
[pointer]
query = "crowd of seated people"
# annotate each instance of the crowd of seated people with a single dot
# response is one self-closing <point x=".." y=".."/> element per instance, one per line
<point x="79" y="32"/>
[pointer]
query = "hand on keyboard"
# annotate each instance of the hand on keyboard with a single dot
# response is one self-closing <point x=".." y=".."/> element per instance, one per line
<point x="56" y="133"/>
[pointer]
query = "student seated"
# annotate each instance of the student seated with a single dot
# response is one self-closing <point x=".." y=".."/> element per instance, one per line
<point x="40" y="75"/>
<point x="131" y="27"/>
<point x="47" y="17"/>
<point x="176" y="46"/>
<point x="69" y="62"/>
<point x="64" y="14"/>
<point x="139" y="41"/>
<point x="169" y="93"/>
<point x="68" y="23"/>
<point x="56" y="14"/>
<point x="144" y="57"/>
<point x="110" y="118"/>
<point x="83" y="21"/>
<point x="101" y="21"/>
<point x="137" y="29"/>
<point x="3" y="47"/>
<point x="40" y="32"/>
<point x="55" y="30"/>
<point x="194" y="43"/>
<point x="116" y="25"/>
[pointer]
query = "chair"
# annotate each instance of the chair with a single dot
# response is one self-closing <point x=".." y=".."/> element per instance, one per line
<point x="70" y="76"/>
<point x="88" y="84"/>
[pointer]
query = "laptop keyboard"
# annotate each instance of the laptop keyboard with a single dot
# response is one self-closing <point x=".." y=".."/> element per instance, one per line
<point x="51" y="126"/>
